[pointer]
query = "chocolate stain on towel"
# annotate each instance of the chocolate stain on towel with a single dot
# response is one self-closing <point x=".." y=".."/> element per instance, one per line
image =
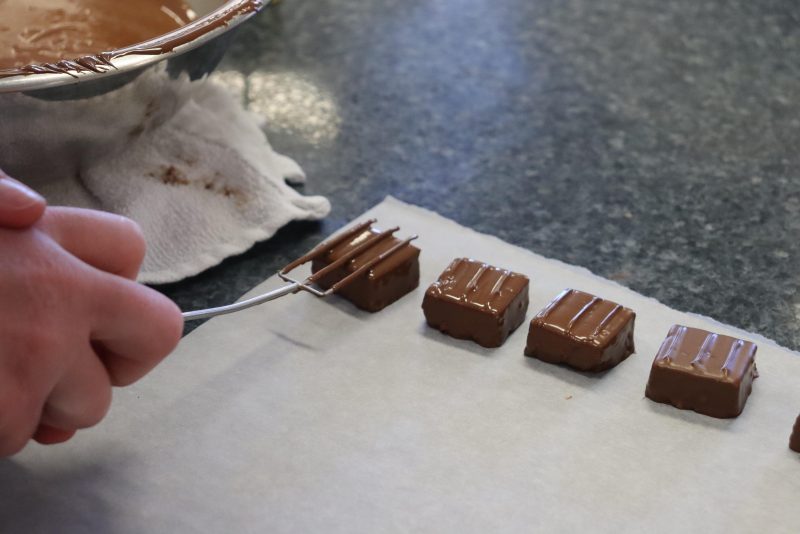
<point x="172" y="175"/>
<point x="175" y="176"/>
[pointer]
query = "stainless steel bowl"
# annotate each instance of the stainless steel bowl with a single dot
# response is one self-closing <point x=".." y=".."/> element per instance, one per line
<point x="195" y="49"/>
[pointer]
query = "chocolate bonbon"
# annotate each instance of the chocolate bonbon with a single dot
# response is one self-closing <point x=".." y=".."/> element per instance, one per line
<point x="392" y="266"/>
<point x="698" y="370"/>
<point x="582" y="331"/>
<point x="474" y="300"/>
<point x="794" y="441"/>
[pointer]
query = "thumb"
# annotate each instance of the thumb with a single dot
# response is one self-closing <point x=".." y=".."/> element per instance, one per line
<point x="48" y="435"/>
<point x="20" y="206"/>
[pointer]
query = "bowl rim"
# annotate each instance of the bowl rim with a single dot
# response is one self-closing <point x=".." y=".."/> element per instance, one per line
<point x="132" y="57"/>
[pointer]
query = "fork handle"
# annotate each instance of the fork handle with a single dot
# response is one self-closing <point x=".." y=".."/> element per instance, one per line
<point x="243" y="305"/>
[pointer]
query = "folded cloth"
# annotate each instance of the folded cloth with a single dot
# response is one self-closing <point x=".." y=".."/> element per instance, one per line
<point x="182" y="158"/>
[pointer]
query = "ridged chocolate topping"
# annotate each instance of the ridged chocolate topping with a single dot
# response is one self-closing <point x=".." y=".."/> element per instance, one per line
<point x="700" y="352"/>
<point x="478" y="285"/>
<point x="583" y="317"/>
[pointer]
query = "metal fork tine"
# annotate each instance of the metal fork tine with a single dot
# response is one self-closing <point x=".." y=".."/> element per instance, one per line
<point x="371" y="263"/>
<point x="368" y="243"/>
<point x="301" y="286"/>
<point x="327" y="245"/>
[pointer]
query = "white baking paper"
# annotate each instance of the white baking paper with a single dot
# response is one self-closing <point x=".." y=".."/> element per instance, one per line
<point x="307" y="415"/>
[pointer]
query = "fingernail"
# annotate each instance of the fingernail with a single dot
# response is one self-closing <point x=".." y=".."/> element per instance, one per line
<point x="17" y="196"/>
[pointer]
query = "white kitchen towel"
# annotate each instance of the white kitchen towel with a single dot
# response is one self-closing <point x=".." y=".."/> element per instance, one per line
<point x="182" y="158"/>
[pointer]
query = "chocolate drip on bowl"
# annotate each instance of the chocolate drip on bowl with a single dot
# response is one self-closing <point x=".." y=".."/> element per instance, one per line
<point x="166" y="39"/>
<point x="42" y="32"/>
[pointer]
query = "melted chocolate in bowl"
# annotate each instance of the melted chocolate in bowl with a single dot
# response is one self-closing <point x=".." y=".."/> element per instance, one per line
<point x="41" y="31"/>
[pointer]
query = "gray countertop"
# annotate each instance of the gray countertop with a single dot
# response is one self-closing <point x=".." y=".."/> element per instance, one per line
<point x="655" y="143"/>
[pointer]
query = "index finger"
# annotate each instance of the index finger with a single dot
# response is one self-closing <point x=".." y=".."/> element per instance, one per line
<point x="20" y="206"/>
<point x="109" y="242"/>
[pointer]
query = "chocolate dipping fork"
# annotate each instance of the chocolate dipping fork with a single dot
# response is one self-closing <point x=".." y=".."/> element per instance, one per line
<point x="295" y="286"/>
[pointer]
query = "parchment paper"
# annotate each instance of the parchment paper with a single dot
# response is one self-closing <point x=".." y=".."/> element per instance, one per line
<point x="306" y="415"/>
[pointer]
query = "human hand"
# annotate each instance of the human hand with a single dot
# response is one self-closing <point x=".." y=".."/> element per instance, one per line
<point x="72" y="321"/>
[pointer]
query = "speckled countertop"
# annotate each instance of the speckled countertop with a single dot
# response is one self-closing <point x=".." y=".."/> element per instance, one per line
<point x="656" y="143"/>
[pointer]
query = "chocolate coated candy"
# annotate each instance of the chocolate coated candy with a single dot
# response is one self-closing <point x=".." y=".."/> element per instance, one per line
<point x="392" y="277"/>
<point x="698" y="370"/>
<point x="582" y="331"/>
<point x="473" y="300"/>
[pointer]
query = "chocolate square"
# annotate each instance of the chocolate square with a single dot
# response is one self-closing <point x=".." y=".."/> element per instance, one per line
<point x="698" y="370"/>
<point x="794" y="441"/>
<point x="473" y="300"/>
<point x="582" y="331"/>
<point x="385" y="282"/>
